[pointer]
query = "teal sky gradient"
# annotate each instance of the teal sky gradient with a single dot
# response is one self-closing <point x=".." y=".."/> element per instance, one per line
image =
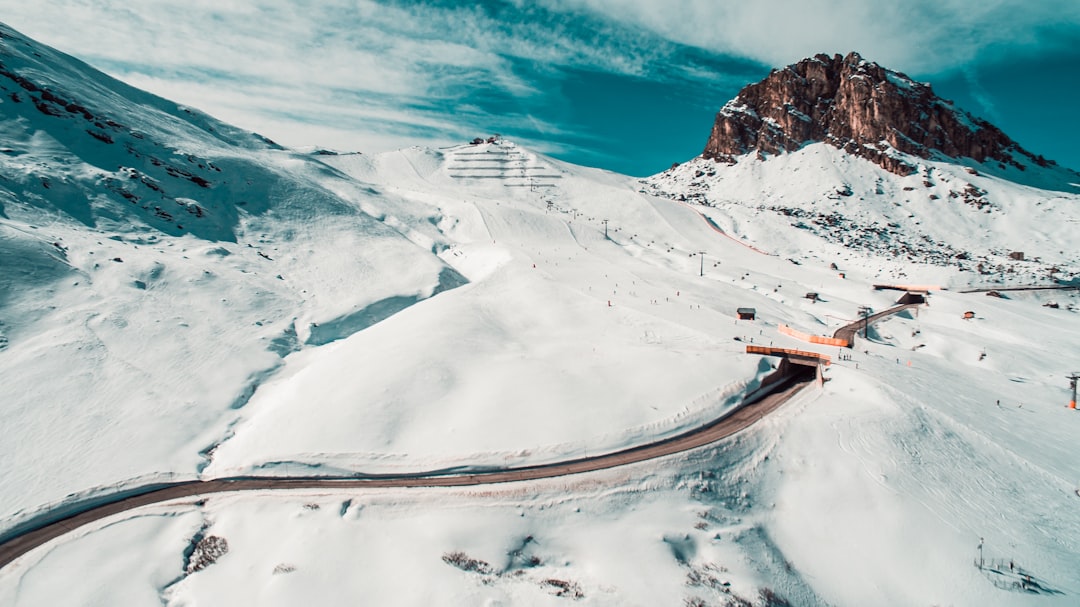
<point x="627" y="85"/>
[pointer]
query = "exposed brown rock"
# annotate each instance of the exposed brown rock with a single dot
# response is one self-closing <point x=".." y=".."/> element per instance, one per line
<point x="860" y="107"/>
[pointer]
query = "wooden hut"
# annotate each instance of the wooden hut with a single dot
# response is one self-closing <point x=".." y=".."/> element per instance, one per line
<point x="746" y="313"/>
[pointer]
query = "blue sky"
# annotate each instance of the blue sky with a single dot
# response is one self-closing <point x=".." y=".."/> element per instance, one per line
<point x="628" y="85"/>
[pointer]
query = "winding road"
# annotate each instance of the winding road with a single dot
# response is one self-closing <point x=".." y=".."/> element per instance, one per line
<point x="775" y="390"/>
<point x="847" y="332"/>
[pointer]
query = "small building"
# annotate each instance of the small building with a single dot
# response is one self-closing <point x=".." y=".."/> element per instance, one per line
<point x="969" y="315"/>
<point x="746" y="313"/>
<point x="812" y="296"/>
<point x="1017" y="255"/>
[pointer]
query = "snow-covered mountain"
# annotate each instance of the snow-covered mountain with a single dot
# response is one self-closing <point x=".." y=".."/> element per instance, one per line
<point x="872" y="112"/>
<point x="864" y="161"/>
<point x="156" y="265"/>
<point x="191" y="301"/>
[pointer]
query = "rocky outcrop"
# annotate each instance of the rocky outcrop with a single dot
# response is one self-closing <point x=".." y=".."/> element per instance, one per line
<point x="860" y="107"/>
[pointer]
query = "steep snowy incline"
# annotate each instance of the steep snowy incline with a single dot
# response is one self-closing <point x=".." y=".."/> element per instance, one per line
<point x="157" y="266"/>
<point x="528" y="363"/>
<point x="98" y="150"/>
<point x="959" y="226"/>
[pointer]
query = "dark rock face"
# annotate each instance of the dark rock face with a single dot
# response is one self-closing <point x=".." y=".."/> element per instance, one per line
<point x="859" y="107"/>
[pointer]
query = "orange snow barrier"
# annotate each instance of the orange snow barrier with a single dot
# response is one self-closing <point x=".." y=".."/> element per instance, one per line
<point x="786" y="353"/>
<point x="814" y="339"/>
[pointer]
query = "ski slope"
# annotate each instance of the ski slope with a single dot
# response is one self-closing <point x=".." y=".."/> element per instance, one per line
<point x="469" y="307"/>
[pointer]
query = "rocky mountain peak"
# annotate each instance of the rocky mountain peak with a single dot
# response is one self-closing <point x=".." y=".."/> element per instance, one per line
<point x="860" y="107"/>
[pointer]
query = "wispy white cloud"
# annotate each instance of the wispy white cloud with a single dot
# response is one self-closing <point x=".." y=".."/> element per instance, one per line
<point x="926" y="36"/>
<point x="367" y="74"/>
<point x="987" y="107"/>
<point x="337" y="72"/>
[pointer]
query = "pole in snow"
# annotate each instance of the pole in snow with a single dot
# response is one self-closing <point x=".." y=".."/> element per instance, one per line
<point x="702" y="271"/>
<point x="1072" y="384"/>
<point x="865" y="312"/>
<point x="605" y="229"/>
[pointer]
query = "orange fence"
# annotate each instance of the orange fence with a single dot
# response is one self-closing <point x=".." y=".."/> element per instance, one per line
<point x="814" y="339"/>
<point x="784" y="352"/>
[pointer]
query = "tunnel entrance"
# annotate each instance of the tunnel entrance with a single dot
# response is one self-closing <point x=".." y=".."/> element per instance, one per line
<point x="800" y="370"/>
<point x="912" y="297"/>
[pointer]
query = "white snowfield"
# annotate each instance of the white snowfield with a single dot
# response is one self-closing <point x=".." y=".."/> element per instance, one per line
<point x="951" y="216"/>
<point x="446" y="309"/>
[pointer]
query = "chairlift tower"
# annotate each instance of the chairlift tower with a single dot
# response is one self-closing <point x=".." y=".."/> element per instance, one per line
<point x="1072" y="386"/>
<point x="702" y="255"/>
<point x="864" y="311"/>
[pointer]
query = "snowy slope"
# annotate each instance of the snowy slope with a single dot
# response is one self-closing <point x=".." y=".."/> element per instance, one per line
<point x="948" y="216"/>
<point x="904" y="452"/>
<point x="527" y="363"/>
<point x="157" y="264"/>
<point x="298" y="334"/>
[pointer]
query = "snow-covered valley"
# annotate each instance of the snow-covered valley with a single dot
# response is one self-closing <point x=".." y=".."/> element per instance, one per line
<point x="484" y="306"/>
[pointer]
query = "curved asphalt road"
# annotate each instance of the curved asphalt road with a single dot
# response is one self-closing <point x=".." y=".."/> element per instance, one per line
<point x="753" y="408"/>
<point x="1071" y="287"/>
<point x="847" y="332"/>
